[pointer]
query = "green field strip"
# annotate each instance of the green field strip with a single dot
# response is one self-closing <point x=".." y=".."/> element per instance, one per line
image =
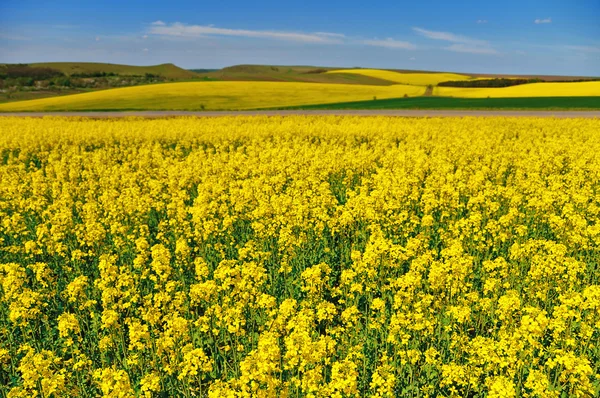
<point x="549" y="103"/>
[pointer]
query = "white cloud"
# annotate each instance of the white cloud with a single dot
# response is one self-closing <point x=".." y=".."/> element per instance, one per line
<point x="461" y="44"/>
<point x="389" y="43"/>
<point x="14" y="37"/>
<point x="183" y="30"/>
<point x="540" y="21"/>
<point x="447" y="36"/>
<point x="145" y="37"/>
<point x="465" y="48"/>
<point x="97" y="38"/>
<point x="412" y="59"/>
<point x="480" y="21"/>
<point x="145" y="50"/>
<point x="329" y="34"/>
<point x="585" y="49"/>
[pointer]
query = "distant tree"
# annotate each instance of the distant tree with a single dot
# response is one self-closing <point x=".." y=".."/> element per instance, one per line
<point x="10" y="92"/>
<point x="316" y="71"/>
<point x="25" y="81"/>
<point x="490" y="83"/>
<point x="61" y="81"/>
<point x="35" y="73"/>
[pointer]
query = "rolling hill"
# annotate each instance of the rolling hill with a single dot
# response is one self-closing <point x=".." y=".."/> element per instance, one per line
<point x="412" y="78"/>
<point x="168" y="71"/>
<point x="306" y="74"/>
<point x="320" y="74"/>
<point x="262" y="86"/>
<point x="213" y="96"/>
<point x="552" y="89"/>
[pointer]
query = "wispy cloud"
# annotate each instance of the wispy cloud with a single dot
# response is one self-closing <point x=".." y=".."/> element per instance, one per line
<point x="184" y="30"/>
<point x="6" y="36"/>
<point x="585" y="49"/>
<point x="389" y="43"/>
<point x="178" y="29"/>
<point x="65" y="26"/>
<point x="480" y="21"/>
<point x="329" y="34"/>
<point x="446" y="36"/>
<point x="465" y="48"/>
<point x="462" y="44"/>
<point x="541" y="21"/>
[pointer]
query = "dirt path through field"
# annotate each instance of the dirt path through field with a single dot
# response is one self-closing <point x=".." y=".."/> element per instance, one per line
<point x="387" y="112"/>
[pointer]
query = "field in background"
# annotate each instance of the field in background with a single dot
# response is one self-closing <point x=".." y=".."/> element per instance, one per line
<point x="265" y="95"/>
<point x="525" y="90"/>
<point x="262" y="86"/>
<point x="213" y="96"/>
<point x="321" y="74"/>
<point x="542" y="103"/>
<point x="306" y="74"/>
<point x="31" y="95"/>
<point x="418" y="79"/>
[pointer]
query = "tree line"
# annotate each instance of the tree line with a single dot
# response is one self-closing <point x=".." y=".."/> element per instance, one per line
<point x="502" y="82"/>
<point x="25" y="77"/>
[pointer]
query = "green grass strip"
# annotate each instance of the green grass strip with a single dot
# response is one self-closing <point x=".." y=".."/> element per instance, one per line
<point x="549" y="103"/>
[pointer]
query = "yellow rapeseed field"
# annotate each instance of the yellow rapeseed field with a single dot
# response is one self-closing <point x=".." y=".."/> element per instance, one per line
<point x="300" y="257"/>
<point x="580" y="89"/>
<point x="416" y="79"/>
<point x="214" y="96"/>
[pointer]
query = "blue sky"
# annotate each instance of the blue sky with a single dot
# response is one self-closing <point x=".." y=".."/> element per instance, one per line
<point x="534" y="37"/>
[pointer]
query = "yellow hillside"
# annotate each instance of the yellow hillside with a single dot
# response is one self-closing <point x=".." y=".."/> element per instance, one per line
<point x="417" y="79"/>
<point x="526" y="90"/>
<point x="214" y="96"/>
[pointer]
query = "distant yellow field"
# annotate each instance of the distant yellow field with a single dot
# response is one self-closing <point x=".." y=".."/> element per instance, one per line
<point x="416" y="79"/>
<point x="526" y="90"/>
<point x="214" y="96"/>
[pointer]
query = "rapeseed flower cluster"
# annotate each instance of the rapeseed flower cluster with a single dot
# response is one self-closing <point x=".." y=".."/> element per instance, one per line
<point x="299" y="256"/>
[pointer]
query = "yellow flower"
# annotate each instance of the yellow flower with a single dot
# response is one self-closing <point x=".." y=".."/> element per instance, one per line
<point x="500" y="387"/>
<point x="149" y="384"/>
<point x="194" y="361"/>
<point x="68" y="323"/>
<point x="291" y="256"/>
<point x="114" y="383"/>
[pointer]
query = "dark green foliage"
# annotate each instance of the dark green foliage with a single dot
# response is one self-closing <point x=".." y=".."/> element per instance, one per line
<point x="316" y="71"/>
<point x="94" y="74"/>
<point x="203" y="70"/>
<point x="16" y="71"/>
<point x="502" y="82"/>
